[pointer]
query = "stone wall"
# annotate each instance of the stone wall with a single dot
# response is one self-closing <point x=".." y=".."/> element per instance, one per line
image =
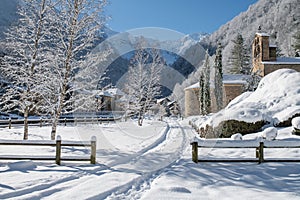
<point x="192" y="105"/>
<point x="269" y="68"/>
<point x="232" y="91"/>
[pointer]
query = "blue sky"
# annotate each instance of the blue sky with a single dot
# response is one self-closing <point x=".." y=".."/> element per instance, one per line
<point x="185" y="16"/>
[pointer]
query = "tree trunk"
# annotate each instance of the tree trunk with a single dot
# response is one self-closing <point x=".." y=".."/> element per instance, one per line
<point x="26" y="124"/>
<point x="54" y="127"/>
<point x="140" y="119"/>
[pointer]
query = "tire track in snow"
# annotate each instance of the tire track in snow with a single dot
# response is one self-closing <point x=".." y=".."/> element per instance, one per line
<point x="138" y="186"/>
<point x="132" y="188"/>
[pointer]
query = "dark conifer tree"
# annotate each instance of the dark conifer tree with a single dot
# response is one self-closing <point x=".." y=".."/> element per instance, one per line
<point x="219" y="78"/>
<point x="239" y="59"/>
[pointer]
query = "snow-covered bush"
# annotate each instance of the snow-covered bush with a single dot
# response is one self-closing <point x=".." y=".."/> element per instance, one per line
<point x="270" y="133"/>
<point x="237" y="136"/>
<point x="296" y="125"/>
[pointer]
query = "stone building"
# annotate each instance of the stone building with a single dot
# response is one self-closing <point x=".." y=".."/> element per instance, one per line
<point x="264" y="57"/>
<point x="233" y="86"/>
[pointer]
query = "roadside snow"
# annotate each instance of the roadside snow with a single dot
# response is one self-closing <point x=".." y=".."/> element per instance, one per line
<point x="296" y="122"/>
<point x="151" y="162"/>
<point x="270" y="133"/>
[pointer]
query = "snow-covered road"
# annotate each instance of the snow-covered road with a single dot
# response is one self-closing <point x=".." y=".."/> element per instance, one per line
<point x="127" y="166"/>
<point x="149" y="162"/>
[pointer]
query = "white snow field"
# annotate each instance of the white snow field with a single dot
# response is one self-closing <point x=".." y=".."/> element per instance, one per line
<point x="149" y="162"/>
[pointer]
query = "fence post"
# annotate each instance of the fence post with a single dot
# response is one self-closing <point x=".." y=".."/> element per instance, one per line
<point x="58" y="150"/>
<point x="65" y="121"/>
<point x="195" y="152"/>
<point x="261" y="153"/>
<point x="9" y="123"/>
<point x="75" y="121"/>
<point x="41" y="122"/>
<point x="93" y="150"/>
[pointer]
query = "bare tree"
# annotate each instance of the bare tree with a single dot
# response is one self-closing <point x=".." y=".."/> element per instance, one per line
<point x="143" y="80"/>
<point x="26" y="55"/>
<point x="79" y="22"/>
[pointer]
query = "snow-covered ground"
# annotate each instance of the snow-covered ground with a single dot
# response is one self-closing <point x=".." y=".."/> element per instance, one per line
<point x="149" y="162"/>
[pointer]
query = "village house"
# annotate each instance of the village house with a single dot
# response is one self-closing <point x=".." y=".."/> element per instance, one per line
<point x="110" y="100"/>
<point x="264" y="60"/>
<point x="171" y="108"/>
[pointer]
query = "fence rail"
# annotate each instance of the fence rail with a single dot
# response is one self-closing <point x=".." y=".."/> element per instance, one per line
<point x="58" y="144"/>
<point x="259" y="150"/>
<point x="45" y="122"/>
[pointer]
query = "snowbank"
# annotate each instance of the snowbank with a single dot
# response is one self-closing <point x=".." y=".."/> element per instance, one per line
<point x="276" y="99"/>
<point x="270" y="133"/>
<point x="296" y="122"/>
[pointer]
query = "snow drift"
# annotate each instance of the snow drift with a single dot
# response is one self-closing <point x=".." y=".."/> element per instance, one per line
<point x="275" y="101"/>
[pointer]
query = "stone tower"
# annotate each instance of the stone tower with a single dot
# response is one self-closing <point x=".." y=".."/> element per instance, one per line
<point x="264" y="58"/>
<point x="262" y="51"/>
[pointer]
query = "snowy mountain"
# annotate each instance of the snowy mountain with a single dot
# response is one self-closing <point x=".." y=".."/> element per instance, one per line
<point x="280" y="18"/>
<point x="182" y="57"/>
<point x="8" y="14"/>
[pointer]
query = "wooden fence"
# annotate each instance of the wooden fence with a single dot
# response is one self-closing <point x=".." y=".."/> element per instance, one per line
<point x="58" y="144"/>
<point x="45" y="122"/>
<point x="259" y="150"/>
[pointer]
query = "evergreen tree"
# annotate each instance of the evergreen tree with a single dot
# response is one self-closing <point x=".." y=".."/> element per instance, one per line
<point x="201" y="94"/>
<point x="296" y="44"/>
<point x="206" y="91"/>
<point x="239" y="59"/>
<point x="219" y="78"/>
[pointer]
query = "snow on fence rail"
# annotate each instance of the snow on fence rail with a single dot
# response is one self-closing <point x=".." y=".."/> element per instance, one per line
<point x="259" y="149"/>
<point x="58" y="144"/>
<point x="44" y="122"/>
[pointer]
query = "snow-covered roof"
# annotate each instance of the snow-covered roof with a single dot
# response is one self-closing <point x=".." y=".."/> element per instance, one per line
<point x="263" y="34"/>
<point x="273" y="45"/>
<point x="162" y="99"/>
<point x="105" y="93"/>
<point x="235" y="78"/>
<point x="111" y="92"/>
<point x="283" y="60"/>
<point x="194" y="86"/>
<point x="227" y="79"/>
<point x="115" y="91"/>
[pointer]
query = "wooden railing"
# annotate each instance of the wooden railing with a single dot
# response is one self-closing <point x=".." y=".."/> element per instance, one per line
<point x="46" y="143"/>
<point x="45" y="122"/>
<point x="258" y="146"/>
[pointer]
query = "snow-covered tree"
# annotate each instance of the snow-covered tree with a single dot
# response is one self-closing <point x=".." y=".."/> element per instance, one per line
<point x="78" y="24"/>
<point x="143" y="83"/>
<point x="219" y="78"/>
<point x="239" y="57"/>
<point x="26" y="56"/>
<point x="296" y="44"/>
<point x="201" y="94"/>
<point x="206" y="91"/>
